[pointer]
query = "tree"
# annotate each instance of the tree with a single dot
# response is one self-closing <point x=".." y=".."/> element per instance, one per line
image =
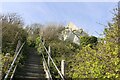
<point x="11" y="18"/>
<point x="12" y="31"/>
<point x="34" y="31"/>
<point x="85" y="40"/>
<point x="52" y="31"/>
<point x="101" y="62"/>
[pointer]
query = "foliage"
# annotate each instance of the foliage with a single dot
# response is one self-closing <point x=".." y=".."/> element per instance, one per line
<point x="103" y="61"/>
<point x="12" y="31"/>
<point x="51" y="32"/>
<point x="33" y="32"/>
<point x="85" y="40"/>
<point x="6" y="61"/>
<point x="59" y="49"/>
<point x="92" y="59"/>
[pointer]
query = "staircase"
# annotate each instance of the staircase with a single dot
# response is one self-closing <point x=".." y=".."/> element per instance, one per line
<point x="32" y="69"/>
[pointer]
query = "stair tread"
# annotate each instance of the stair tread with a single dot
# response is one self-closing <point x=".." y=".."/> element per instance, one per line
<point x="32" y="67"/>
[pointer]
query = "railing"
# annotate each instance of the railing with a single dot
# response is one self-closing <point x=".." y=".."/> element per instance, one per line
<point x="46" y="65"/>
<point x="50" y="58"/>
<point x="12" y="65"/>
<point x="46" y="68"/>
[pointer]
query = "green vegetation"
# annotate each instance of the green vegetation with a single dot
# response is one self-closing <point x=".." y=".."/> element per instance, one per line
<point x="93" y="58"/>
<point x="12" y="32"/>
<point x="85" y="40"/>
<point x="102" y="61"/>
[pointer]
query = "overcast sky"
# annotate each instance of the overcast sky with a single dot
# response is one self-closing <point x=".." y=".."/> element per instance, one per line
<point x="86" y="15"/>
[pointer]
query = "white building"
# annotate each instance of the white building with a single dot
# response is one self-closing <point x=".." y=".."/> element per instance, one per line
<point x="72" y="33"/>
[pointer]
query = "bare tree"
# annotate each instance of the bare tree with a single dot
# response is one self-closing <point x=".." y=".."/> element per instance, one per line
<point x="52" y="31"/>
<point x="11" y="18"/>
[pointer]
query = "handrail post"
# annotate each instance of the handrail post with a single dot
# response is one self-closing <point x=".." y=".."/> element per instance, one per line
<point x="59" y="72"/>
<point x="54" y="63"/>
<point x="49" y="57"/>
<point x="63" y="67"/>
<point x="46" y="69"/>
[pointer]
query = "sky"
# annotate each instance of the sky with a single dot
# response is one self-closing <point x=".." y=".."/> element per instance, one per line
<point x="85" y="15"/>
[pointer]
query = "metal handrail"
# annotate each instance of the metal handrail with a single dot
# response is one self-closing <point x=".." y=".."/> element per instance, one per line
<point x="15" y="69"/>
<point x="48" y="71"/>
<point x="53" y="62"/>
<point x="11" y="66"/>
<point x="13" y="72"/>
